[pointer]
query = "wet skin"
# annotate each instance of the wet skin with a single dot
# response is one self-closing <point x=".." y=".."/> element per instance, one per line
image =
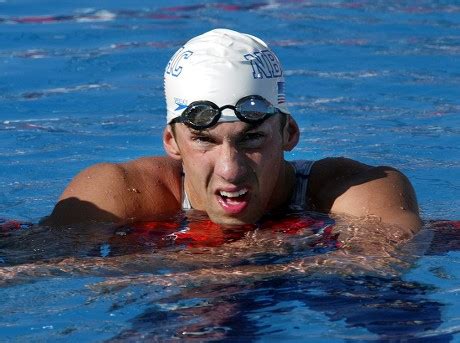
<point x="234" y="171"/>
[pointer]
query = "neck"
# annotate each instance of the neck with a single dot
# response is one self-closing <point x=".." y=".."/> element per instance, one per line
<point x="284" y="187"/>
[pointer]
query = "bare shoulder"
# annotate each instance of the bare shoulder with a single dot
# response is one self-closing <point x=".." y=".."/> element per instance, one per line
<point x="346" y="186"/>
<point x="153" y="171"/>
<point x="146" y="188"/>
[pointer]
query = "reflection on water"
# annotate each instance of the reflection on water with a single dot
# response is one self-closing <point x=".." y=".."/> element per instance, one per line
<point x="389" y="309"/>
<point x="189" y="278"/>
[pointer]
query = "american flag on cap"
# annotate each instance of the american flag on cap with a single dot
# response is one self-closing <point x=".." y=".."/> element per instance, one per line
<point x="281" y="95"/>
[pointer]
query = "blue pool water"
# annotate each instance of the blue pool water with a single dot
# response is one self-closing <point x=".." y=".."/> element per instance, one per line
<point x="81" y="82"/>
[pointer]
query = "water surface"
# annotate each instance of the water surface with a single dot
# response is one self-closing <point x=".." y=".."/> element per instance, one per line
<point x="81" y="83"/>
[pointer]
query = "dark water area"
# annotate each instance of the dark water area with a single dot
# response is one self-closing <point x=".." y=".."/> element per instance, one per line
<point x="283" y="279"/>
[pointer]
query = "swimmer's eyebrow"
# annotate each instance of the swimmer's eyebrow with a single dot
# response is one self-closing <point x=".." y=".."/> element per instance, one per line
<point x="199" y="132"/>
<point x="253" y="127"/>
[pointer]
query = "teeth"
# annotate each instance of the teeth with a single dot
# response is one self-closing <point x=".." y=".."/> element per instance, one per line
<point x="233" y="194"/>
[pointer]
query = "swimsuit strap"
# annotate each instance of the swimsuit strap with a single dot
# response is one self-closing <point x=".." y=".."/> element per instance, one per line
<point x="302" y="172"/>
<point x="186" y="205"/>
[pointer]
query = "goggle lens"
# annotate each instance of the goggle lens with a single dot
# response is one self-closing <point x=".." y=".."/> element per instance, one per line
<point x="201" y="114"/>
<point x="254" y="109"/>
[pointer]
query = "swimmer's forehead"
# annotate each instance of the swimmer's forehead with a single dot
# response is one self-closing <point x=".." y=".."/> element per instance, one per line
<point x="237" y="128"/>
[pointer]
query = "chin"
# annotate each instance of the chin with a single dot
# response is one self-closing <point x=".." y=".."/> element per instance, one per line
<point x="226" y="221"/>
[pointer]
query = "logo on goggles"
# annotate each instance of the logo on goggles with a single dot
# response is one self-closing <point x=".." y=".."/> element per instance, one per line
<point x="264" y="64"/>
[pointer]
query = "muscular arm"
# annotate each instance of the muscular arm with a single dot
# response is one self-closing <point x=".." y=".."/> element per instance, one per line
<point x="345" y="186"/>
<point x="147" y="188"/>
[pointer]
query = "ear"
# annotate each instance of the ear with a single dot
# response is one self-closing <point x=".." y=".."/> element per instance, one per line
<point x="291" y="134"/>
<point x="170" y="143"/>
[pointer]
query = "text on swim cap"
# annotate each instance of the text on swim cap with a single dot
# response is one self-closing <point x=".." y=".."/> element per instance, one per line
<point x="174" y="66"/>
<point x="264" y="64"/>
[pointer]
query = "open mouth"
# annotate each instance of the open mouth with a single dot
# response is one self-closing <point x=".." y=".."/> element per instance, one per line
<point x="233" y="202"/>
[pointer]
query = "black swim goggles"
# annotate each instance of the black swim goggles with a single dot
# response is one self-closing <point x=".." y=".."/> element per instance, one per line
<point x="202" y="114"/>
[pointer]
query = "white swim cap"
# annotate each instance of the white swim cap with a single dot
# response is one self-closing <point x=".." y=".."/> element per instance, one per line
<point x="222" y="66"/>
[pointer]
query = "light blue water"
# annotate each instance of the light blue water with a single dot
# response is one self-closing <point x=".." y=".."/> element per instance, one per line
<point x="81" y="82"/>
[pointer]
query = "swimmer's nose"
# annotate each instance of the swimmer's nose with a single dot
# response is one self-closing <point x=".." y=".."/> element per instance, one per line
<point x="230" y="164"/>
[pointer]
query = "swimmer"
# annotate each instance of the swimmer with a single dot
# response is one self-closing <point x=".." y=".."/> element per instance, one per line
<point x="227" y="129"/>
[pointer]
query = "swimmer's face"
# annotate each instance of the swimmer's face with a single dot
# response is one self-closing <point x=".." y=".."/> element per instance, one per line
<point x="234" y="171"/>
